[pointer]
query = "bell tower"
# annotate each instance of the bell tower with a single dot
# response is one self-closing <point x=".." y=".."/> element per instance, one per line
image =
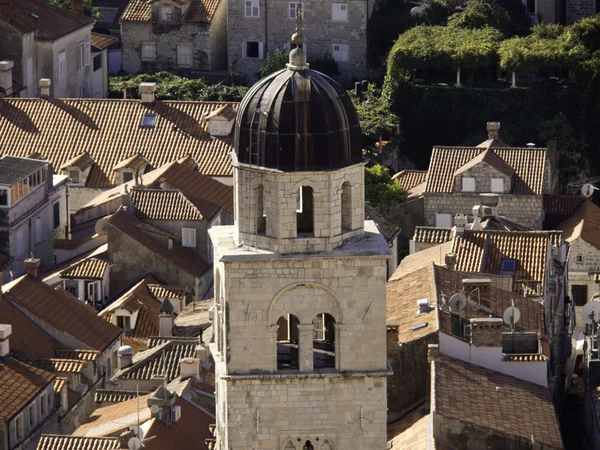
<point x="299" y="314"/>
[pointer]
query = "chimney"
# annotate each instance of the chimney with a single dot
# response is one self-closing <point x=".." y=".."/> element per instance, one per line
<point x="6" y="77"/>
<point x="202" y="353"/>
<point x="392" y="338"/>
<point x="460" y="222"/>
<point x="5" y="331"/>
<point x="77" y="6"/>
<point x="125" y="356"/>
<point x="165" y="319"/>
<point x="32" y="265"/>
<point x="147" y="92"/>
<point x="487" y="332"/>
<point x="189" y="367"/>
<point x="493" y="129"/>
<point x="450" y="260"/>
<point x="433" y="352"/>
<point x="45" y="87"/>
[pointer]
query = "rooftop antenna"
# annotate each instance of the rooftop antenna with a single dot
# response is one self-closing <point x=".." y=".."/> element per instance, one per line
<point x="587" y="190"/>
<point x="511" y="316"/>
<point x="458" y="302"/>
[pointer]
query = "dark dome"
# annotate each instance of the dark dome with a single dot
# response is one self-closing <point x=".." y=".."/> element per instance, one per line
<point x="297" y="120"/>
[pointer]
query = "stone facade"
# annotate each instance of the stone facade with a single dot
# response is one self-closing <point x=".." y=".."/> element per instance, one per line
<point x="584" y="263"/>
<point x="272" y="27"/>
<point x="578" y="9"/>
<point x="208" y="41"/>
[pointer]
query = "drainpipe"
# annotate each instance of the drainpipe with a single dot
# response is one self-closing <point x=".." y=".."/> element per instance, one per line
<point x="68" y="225"/>
<point x="265" y="50"/>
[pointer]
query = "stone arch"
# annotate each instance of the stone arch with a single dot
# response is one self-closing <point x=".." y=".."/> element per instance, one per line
<point x="289" y="445"/>
<point x="346" y="206"/>
<point x="306" y="182"/>
<point x="322" y="300"/>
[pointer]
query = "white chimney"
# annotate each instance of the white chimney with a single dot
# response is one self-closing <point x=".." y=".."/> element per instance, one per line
<point x="460" y="222"/>
<point x="5" y="331"/>
<point x="189" y="367"/>
<point x="125" y="356"/>
<point x="202" y="353"/>
<point x="147" y="92"/>
<point x="45" y="87"/>
<point x="6" y="77"/>
<point x="165" y="325"/>
<point x="493" y="129"/>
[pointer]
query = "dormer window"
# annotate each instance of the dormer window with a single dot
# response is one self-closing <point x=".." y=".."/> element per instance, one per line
<point x="127" y="176"/>
<point x="498" y="185"/>
<point x="508" y="266"/>
<point x="468" y="184"/>
<point x="220" y="121"/>
<point x="166" y="13"/>
<point x="74" y="175"/>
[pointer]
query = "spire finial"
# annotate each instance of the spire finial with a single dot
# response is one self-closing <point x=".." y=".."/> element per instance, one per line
<point x="297" y="55"/>
<point x="297" y="36"/>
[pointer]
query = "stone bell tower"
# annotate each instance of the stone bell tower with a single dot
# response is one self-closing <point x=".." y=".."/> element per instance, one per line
<point x="299" y="314"/>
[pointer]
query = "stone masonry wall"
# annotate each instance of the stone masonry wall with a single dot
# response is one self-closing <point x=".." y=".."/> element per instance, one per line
<point x="525" y="210"/>
<point x="578" y="9"/>
<point x="483" y="174"/>
<point x="274" y="29"/>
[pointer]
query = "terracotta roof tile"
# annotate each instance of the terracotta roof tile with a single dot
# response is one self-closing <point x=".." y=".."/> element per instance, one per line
<point x="410" y="432"/>
<point x="68" y="244"/>
<point x="62" y="365"/>
<point x="83" y="355"/>
<point x="19" y="384"/>
<point x="160" y="204"/>
<point x="408" y="179"/>
<point x="167" y="291"/>
<point x="115" y="396"/>
<point x="62" y="311"/>
<point x="424" y="258"/>
<point x="109" y="131"/>
<point x="82" y="161"/>
<point x="136" y="162"/>
<point x="51" y="442"/>
<point x="432" y="234"/>
<point x="59" y="384"/>
<point x="102" y="41"/>
<point x="488" y="399"/>
<point x="527" y="163"/>
<point x="489" y="157"/>
<point x="90" y="269"/>
<point x="562" y="204"/>
<point x="584" y="224"/>
<point x="51" y="23"/>
<point x="199" y="11"/>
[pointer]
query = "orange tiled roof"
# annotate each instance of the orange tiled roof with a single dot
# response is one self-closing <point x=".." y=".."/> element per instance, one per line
<point x="91" y="269"/>
<point x="167" y="291"/>
<point x="60" y="442"/>
<point x="51" y="23"/>
<point x="432" y="234"/>
<point x="489" y="399"/>
<point x="59" y="384"/>
<point x="115" y="396"/>
<point x="136" y="162"/>
<point x="109" y="131"/>
<point x="83" y="355"/>
<point x="67" y="365"/>
<point x="62" y="311"/>
<point x="584" y="224"/>
<point x="410" y="432"/>
<point x="68" y="244"/>
<point x="421" y="259"/>
<point x="563" y="205"/>
<point x="82" y="161"/>
<point x="527" y="163"/>
<point x="19" y="384"/>
<point x="102" y="41"/>
<point x="226" y="111"/>
<point x="160" y="204"/>
<point x="199" y="11"/>
<point x="408" y="179"/>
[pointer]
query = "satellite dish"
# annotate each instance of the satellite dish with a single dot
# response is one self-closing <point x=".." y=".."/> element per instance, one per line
<point x="417" y="11"/>
<point x="587" y="190"/>
<point x="134" y="443"/>
<point x="590" y="312"/>
<point x="154" y="409"/>
<point x="458" y="302"/>
<point x="511" y="315"/>
<point x="100" y="227"/>
<point x="137" y="431"/>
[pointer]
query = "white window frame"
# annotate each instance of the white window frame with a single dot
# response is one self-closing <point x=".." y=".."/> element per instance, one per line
<point x="252" y="8"/>
<point x="185" y="55"/>
<point x="148" y="51"/>
<point x="32" y="417"/>
<point x="579" y="259"/>
<point x="340" y="52"/>
<point x="497" y="185"/>
<point x="468" y="184"/>
<point x="292" y="9"/>
<point x="245" y="50"/>
<point x="166" y="13"/>
<point x="29" y="70"/>
<point x="93" y="291"/>
<point x="188" y="237"/>
<point x="339" y="12"/>
<point x="43" y="404"/>
<point x="62" y="64"/>
<point x="443" y="220"/>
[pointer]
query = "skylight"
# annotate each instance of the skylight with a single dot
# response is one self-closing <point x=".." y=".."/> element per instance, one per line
<point x="508" y="266"/>
<point x="35" y="16"/>
<point x="148" y="121"/>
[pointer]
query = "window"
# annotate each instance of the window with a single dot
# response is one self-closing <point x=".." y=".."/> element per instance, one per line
<point x="148" y="121"/>
<point x="508" y="266"/>
<point x="148" y="51"/>
<point x="32" y="418"/>
<point x="124" y="322"/>
<point x="443" y="220"/>
<point x="56" y="214"/>
<point x="252" y="8"/>
<point x="97" y="62"/>
<point x="498" y="185"/>
<point x="74" y="175"/>
<point x="323" y="341"/>
<point x="468" y="184"/>
<point x="43" y="404"/>
<point x="292" y="11"/>
<point x="62" y="64"/>
<point x="305" y="223"/>
<point x="93" y="292"/>
<point x="166" y="13"/>
<point x="188" y="237"/>
<point x="3" y="197"/>
<point x="184" y="55"/>
<point x="127" y="176"/>
<point x="339" y="12"/>
<point x="340" y="52"/>
<point x="530" y="6"/>
<point x="83" y="55"/>
<point x="253" y="49"/>
<point x="580" y="294"/>
<point x="579" y="259"/>
<point x="38" y="230"/>
<point x="287" y="342"/>
<point x="29" y="65"/>
<point x="20" y="427"/>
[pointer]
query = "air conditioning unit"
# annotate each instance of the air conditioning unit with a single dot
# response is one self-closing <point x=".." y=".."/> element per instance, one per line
<point x="175" y="413"/>
<point x="489" y="211"/>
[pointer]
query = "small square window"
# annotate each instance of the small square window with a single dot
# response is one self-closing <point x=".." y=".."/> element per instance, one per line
<point x="468" y="184"/>
<point x="148" y="51"/>
<point x="253" y="49"/>
<point x="74" y="176"/>
<point x="443" y="220"/>
<point x="508" y="266"/>
<point x="252" y="9"/>
<point x="293" y="7"/>
<point x="339" y="12"/>
<point x="3" y="197"/>
<point x="188" y="237"/>
<point x="127" y="176"/>
<point x="498" y="185"/>
<point x="340" y="52"/>
<point x="579" y="259"/>
<point x="148" y="121"/>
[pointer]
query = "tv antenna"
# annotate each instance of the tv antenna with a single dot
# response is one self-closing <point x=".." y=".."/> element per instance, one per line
<point x="137" y="441"/>
<point x="590" y="313"/>
<point x="511" y="316"/>
<point x="458" y="302"/>
<point x="588" y="189"/>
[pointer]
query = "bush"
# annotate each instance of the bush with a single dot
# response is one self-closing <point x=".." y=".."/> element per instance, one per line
<point x="376" y="120"/>
<point x="480" y="14"/>
<point x="88" y="8"/>
<point x="381" y="191"/>
<point x="273" y="63"/>
<point x="326" y="65"/>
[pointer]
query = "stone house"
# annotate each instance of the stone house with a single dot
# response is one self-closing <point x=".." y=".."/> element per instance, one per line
<point x="578" y="9"/>
<point x="33" y="212"/>
<point x="335" y="28"/>
<point x="458" y="175"/>
<point x="47" y="42"/>
<point x="100" y="45"/>
<point x="114" y="136"/>
<point x="186" y="36"/>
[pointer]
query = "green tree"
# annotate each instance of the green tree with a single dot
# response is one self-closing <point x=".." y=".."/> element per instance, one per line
<point x="88" y="8"/>
<point x="481" y="14"/>
<point x="273" y="63"/>
<point x="376" y="119"/>
<point x="381" y="191"/>
<point x="326" y="65"/>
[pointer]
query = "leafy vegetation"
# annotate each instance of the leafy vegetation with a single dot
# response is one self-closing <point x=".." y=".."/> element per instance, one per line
<point x="88" y="7"/>
<point x="273" y="63"/>
<point x="326" y="65"/>
<point x="381" y="190"/>
<point x="174" y="87"/>
<point x="376" y="119"/>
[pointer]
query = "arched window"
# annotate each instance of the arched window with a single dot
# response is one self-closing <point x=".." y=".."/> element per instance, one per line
<point x="305" y="221"/>
<point x="261" y="217"/>
<point x="346" y="207"/>
<point x="287" y="342"/>
<point x="289" y="446"/>
<point x="323" y="341"/>
<point x="326" y="445"/>
<point x="308" y="446"/>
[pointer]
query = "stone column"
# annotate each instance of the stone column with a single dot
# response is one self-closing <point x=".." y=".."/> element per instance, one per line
<point x="305" y="347"/>
<point x="339" y="328"/>
<point x="273" y="332"/>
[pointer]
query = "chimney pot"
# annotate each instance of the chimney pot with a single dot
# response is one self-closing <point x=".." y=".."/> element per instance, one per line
<point x="6" y="77"/>
<point x="487" y="332"/>
<point x="189" y="367"/>
<point x="392" y="338"/>
<point x="45" y="87"/>
<point x="147" y="92"/>
<point x="5" y="332"/>
<point x="125" y="356"/>
<point x="493" y="129"/>
<point x="32" y="265"/>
